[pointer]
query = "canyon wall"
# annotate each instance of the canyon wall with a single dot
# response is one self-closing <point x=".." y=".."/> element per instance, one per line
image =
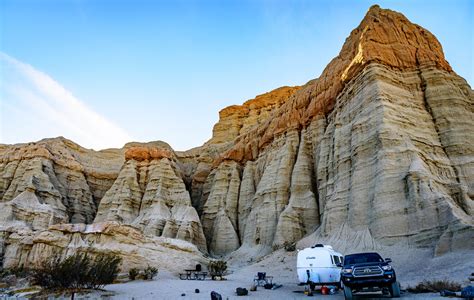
<point x="377" y="151"/>
<point x="381" y="143"/>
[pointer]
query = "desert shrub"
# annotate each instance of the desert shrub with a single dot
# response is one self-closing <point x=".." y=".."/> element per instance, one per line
<point x="104" y="270"/>
<point x="150" y="272"/>
<point x="68" y="273"/>
<point x="77" y="271"/>
<point x="133" y="273"/>
<point x="289" y="246"/>
<point x="74" y="270"/>
<point x="42" y="275"/>
<point x="434" y="286"/>
<point x="217" y="267"/>
<point x="17" y="271"/>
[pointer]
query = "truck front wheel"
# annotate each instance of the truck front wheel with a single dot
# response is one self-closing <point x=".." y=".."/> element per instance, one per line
<point x="395" y="290"/>
<point x="347" y="293"/>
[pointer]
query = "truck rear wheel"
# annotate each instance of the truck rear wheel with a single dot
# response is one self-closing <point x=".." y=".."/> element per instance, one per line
<point x="347" y="293"/>
<point x="395" y="290"/>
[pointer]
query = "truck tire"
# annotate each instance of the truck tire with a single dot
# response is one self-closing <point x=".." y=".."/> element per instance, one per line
<point x="395" y="290"/>
<point x="347" y="293"/>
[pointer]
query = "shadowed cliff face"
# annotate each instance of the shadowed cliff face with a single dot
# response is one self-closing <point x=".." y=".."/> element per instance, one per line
<point x="377" y="151"/>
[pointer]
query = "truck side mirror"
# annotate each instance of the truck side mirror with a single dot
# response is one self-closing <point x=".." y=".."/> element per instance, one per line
<point x="339" y="265"/>
<point x="389" y="260"/>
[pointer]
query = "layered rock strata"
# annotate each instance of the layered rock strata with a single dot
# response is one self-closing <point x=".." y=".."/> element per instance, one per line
<point x="376" y="164"/>
<point x="383" y="36"/>
<point x="236" y="120"/>
<point x="149" y="193"/>
<point x="381" y="143"/>
<point x="135" y="249"/>
<point x="54" y="179"/>
<point x="220" y="211"/>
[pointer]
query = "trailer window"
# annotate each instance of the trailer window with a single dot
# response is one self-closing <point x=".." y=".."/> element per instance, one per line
<point x="336" y="259"/>
<point x="332" y="259"/>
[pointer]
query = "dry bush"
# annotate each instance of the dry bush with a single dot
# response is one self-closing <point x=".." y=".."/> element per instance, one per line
<point x="434" y="286"/>
<point x="77" y="271"/>
<point x="20" y="272"/>
<point x="133" y="273"/>
<point x="68" y="273"/>
<point x="217" y="268"/>
<point x="150" y="272"/>
<point x="289" y="246"/>
<point x="104" y="270"/>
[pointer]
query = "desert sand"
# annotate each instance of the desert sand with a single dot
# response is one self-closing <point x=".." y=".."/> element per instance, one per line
<point x="282" y="266"/>
<point x="170" y="287"/>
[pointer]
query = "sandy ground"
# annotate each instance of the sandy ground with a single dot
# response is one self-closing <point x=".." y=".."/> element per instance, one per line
<point x="411" y="269"/>
<point x="169" y="287"/>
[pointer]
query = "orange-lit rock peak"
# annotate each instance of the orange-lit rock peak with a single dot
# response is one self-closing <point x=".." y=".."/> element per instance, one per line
<point x="384" y="36"/>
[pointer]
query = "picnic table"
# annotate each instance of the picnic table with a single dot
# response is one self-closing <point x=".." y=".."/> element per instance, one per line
<point x="193" y="275"/>
<point x="261" y="279"/>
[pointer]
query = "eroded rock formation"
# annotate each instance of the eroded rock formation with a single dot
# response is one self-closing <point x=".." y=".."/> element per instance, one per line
<point x="55" y="176"/>
<point x="150" y="194"/>
<point x="387" y="103"/>
<point x="377" y="151"/>
<point x="236" y="120"/>
<point x="135" y="249"/>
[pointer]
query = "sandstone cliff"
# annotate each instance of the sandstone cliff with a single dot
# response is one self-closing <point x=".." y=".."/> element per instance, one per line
<point x="378" y="151"/>
<point x="381" y="143"/>
<point x="135" y="249"/>
<point x="150" y="194"/>
<point x="63" y="177"/>
<point x="236" y="120"/>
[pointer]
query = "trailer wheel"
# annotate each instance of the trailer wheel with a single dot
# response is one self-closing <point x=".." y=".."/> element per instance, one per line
<point x="395" y="290"/>
<point x="347" y="293"/>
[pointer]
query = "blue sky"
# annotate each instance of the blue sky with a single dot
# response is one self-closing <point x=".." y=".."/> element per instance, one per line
<point x="105" y="72"/>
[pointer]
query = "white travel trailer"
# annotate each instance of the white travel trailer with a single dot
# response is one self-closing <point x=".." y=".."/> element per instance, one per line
<point x="318" y="266"/>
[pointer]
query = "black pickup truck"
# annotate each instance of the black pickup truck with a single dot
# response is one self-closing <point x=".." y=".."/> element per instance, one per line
<point x="368" y="272"/>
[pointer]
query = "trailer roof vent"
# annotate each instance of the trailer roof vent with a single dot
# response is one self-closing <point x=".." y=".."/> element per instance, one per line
<point x="319" y="246"/>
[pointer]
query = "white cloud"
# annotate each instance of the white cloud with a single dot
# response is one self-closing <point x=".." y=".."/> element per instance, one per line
<point x="34" y="106"/>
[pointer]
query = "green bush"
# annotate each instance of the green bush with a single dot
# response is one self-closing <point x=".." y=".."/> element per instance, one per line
<point x="150" y="272"/>
<point x="435" y="286"/>
<point x="77" y="271"/>
<point x="217" y="268"/>
<point x="133" y="273"/>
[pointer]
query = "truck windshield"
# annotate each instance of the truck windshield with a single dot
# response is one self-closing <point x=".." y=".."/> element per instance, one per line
<point x="362" y="258"/>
